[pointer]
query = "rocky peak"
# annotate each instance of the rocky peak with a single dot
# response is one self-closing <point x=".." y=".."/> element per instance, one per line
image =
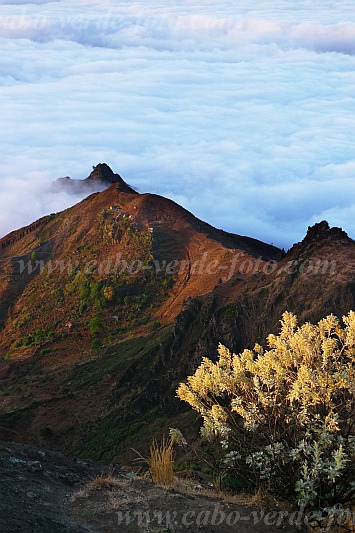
<point x="103" y="175"/>
<point x="317" y="232"/>
<point x="321" y="231"/>
<point x="99" y="179"/>
<point x="102" y="172"/>
<point x="319" y="235"/>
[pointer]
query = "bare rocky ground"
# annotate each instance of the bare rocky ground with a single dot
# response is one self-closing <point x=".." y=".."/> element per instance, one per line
<point x="47" y="492"/>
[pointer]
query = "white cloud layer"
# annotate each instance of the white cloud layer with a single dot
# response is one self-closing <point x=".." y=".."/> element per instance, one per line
<point x="244" y="115"/>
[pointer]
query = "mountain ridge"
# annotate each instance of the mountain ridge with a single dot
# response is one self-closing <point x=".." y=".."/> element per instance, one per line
<point x="118" y="212"/>
<point x="109" y="304"/>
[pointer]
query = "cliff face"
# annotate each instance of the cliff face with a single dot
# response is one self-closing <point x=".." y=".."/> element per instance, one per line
<point x="95" y="351"/>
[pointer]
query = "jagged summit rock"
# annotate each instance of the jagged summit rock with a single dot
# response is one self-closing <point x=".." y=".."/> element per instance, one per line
<point x="318" y="236"/>
<point x="103" y="172"/>
<point x="99" y="179"/>
<point x="317" y="230"/>
<point x="322" y="230"/>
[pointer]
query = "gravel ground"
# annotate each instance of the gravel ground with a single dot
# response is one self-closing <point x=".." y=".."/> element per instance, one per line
<point x="47" y="492"/>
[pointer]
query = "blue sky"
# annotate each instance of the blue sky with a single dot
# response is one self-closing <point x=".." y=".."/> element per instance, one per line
<point x="243" y="112"/>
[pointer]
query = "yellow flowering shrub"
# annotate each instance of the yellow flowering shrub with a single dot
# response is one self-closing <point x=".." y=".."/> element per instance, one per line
<point x="285" y="414"/>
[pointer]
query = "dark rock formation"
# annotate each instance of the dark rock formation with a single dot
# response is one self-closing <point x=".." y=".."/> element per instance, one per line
<point x="100" y="178"/>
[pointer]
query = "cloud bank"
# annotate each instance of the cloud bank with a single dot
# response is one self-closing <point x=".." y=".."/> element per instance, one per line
<point x="243" y="115"/>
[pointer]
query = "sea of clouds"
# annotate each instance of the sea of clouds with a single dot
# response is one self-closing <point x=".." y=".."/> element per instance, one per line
<point x="243" y="112"/>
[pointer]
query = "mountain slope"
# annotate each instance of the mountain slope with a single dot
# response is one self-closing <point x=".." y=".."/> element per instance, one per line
<point x="128" y="291"/>
<point x="115" y="238"/>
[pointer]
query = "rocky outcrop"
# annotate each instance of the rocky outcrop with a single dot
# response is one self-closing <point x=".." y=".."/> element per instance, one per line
<point x="99" y="179"/>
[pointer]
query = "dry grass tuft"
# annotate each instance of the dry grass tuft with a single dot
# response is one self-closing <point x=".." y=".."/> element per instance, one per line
<point x="81" y="494"/>
<point x="160" y="462"/>
<point x="263" y="500"/>
<point x="103" y="481"/>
